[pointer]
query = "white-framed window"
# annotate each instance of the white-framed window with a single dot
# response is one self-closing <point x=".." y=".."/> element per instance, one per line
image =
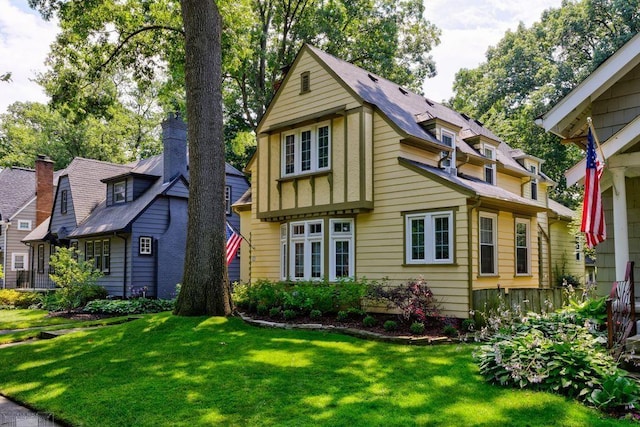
<point x="227" y="199"/>
<point x="488" y="225"/>
<point x="306" y="260"/>
<point x="24" y="224"/>
<point x="145" y="245"/>
<point x="534" y="183"/>
<point x="448" y="138"/>
<point x="99" y="251"/>
<point x="283" y="251"/>
<point x="489" y="169"/>
<point x="429" y="238"/>
<point x="120" y="192"/>
<point x="19" y="261"/>
<point x="306" y="150"/>
<point x="522" y="247"/>
<point x="341" y="250"/>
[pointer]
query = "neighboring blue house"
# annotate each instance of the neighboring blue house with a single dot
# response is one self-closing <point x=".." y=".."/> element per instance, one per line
<point x="131" y="219"/>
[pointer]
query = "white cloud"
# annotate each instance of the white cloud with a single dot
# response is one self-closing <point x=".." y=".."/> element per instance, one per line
<point x="24" y="44"/>
<point x="468" y="29"/>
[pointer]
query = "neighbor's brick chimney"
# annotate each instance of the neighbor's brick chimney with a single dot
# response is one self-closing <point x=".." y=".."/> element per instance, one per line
<point x="44" y="188"/>
<point x="174" y="141"/>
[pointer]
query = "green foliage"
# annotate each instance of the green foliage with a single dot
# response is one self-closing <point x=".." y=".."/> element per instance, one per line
<point x="315" y="314"/>
<point x="616" y="391"/>
<point x="342" y="316"/>
<point x="289" y="314"/>
<point x="132" y="306"/>
<point x="75" y="278"/>
<point x="369" y="322"/>
<point x="415" y="300"/>
<point x="10" y="298"/>
<point x="275" y="312"/>
<point x="417" y="328"/>
<point x="302" y="297"/>
<point x="390" y="325"/>
<point x="1" y="272"/>
<point x="468" y="325"/>
<point x="450" y="331"/>
<point x="262" y="309"/>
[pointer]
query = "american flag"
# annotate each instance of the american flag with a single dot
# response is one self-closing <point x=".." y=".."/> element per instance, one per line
<point x="592" y="213"/>
<point x="233" y="243"/>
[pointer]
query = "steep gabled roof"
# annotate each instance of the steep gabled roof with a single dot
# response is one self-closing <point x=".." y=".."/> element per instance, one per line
<point x="84" y="181"/>
<point x="17" y="187"/>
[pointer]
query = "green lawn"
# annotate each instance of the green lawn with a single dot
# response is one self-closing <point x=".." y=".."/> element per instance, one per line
<point x="166" y="370"/>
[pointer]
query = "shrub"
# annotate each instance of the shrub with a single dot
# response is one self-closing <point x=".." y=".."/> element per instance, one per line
<point x="262" y="309"/>
<point x="415" y="300"/>
<point x="132" y="306"/>
<point x="468" y="325"/>
<point x="390" y="325"/>
<point x="76" y="278"/>
<point x="275" y="311"/>
<point x="315" y="314"/>
<point x="342" y="316"/>
<point x="11" y="298"/>
<point x="289" y="314"/>
<point x="417" y="328"/>
<point x="450" y="331"/>
<point x="369" y="322"/>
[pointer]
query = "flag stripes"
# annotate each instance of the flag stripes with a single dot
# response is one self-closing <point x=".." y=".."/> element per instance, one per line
<point x="234" y="240"/>
<point x="593" y="224"/>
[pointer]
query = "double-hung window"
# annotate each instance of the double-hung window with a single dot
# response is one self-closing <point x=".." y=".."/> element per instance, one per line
<point x="488" y="244"/>
<point x="306" y="150"/>
<point x="341" y="253"/>
<point x="120" y="192"/>
<point x="99" y="251"/>
<point x="429" y="238"/>
<point x="534" y="183"/>
<point x="522" y="246"/>
<point x="19" y="261"/>
<point x="449" y="139"/>
<point x="489" y="169"/>
<point x="306" y="253"/>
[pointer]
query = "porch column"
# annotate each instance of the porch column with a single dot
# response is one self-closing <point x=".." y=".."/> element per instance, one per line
<point x="620" y="223"/>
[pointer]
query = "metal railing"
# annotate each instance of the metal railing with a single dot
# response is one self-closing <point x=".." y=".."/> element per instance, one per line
<point x="621" y="312"/>
<point x="29" y="279"/>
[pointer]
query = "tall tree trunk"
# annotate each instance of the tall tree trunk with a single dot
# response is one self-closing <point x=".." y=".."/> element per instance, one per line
<point x="204" y="288"/>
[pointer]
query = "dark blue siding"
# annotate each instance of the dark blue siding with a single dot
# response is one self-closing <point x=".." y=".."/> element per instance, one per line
<point x="238" y="186"/>
<point x="59" y="220"/>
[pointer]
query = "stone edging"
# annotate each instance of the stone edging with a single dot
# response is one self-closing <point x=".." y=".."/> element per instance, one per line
<point x="359" y="333"/>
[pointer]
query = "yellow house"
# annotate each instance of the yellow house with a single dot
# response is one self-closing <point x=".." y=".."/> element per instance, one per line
<point x="356" y="176"/>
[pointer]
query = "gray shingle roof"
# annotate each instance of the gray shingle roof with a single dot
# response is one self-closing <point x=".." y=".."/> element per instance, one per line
<point x="17" y="187"/>
<point x="561" y="209"/>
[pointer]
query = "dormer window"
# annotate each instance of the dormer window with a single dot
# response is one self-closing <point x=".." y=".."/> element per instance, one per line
<point x="305" y="82"/>
<point x="449" y="139"/>
<point x="64" y="200"/>
<point x="489" y="168"/>
<point x="120" y="192"/>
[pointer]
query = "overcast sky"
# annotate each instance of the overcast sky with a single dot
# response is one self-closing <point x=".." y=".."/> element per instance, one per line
<point x="468" y="27"/>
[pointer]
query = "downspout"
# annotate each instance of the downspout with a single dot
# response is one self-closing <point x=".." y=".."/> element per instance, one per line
<point x="124" y="279"/>
<point x="470" y="249"/>
<point x="4" y="252"/>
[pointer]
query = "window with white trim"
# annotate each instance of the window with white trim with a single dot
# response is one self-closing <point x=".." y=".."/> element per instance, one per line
<point x="429" y="238"/>
<point x="99" y="252"/>
<point x="489" y="168"/>
<point x="341" y="251"/>
<point x="120" y="192"/>
<point x="283" y="251"/>
<point x="19" y="261"/>
<point x="306" y="253"/>
<point x="145" y="246"/>
<point x="306" y="150"/>
<point x="24" y="224"/>
<point x="449" y="139"/>
<point x="522" y="246"/>
<point x="488" y="224"/>
<point x="534" y="183"/>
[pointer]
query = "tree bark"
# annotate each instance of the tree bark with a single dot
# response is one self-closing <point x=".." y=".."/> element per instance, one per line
<point x="204" y="288"/>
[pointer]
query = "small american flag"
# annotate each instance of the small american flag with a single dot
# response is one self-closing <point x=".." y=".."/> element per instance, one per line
<point x="234" y="239"/>
<point x="593" y="225"/>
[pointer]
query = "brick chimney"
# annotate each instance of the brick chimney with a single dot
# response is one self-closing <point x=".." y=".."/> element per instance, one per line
<point x="44" y="188"/>
<point x="174" y="141"/>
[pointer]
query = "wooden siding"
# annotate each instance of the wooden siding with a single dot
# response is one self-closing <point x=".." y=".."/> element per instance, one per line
<point x="113" y="282"/>
<point x="139" y="186"/>
<point x="617" y="106"/>
<point x="58" y="219"/>
<point x="14" y="243"/>
<point x="179" y="189"/>
<point x="563" y="253"/>
<point x="238" y="186"/>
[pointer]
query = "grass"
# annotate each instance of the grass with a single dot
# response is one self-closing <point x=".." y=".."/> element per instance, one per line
<point x="38" y="320"/>
<point x="167" y="370"/>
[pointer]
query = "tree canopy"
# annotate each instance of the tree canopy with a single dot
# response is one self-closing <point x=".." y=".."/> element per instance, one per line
<point x="531" y="69"/>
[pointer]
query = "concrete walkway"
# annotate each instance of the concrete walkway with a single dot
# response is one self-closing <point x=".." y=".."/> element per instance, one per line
<point x="12" y="414"/>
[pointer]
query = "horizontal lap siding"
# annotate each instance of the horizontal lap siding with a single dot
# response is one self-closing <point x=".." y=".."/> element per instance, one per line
<point x="15" y="245"/>
<point x="67" y="220"/>
<point x="238" y="186"/>
<point x="617" y="106"/>
<point x="563" y="253"/>
<point x="114" y="281"/>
